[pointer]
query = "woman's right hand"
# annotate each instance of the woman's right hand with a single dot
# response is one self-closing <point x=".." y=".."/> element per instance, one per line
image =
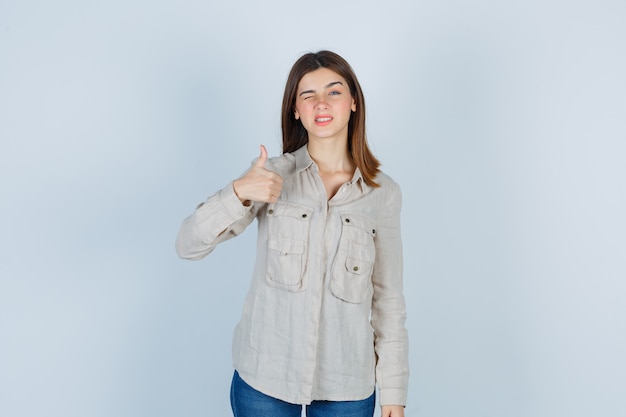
<point x="259" y="184"/>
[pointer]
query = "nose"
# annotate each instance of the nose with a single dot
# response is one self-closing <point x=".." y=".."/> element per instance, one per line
<point x="321" y="104"/>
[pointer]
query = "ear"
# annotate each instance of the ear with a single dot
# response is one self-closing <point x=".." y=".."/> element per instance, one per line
<point x="353" y="107"/>
<point x="296" y="114"/>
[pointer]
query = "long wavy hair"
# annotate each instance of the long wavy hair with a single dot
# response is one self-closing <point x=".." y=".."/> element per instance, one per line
<point x="295" y="135"/>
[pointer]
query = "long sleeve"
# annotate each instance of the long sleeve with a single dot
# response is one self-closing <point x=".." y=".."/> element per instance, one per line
<point x="219" y="218"/>
<point x="388" y="307"/>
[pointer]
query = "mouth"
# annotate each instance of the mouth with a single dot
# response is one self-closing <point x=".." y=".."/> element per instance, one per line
<point x="323" y="120"/>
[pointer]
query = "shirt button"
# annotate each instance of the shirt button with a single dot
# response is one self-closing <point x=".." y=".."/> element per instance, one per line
<point x="304" y="216"/>
<point x="270" y="211"/>
<point x="347" y="220"/>
<point x="356" y="268"/>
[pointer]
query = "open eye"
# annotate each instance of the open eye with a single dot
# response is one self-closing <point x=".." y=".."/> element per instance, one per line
<point x="334" y="93"/>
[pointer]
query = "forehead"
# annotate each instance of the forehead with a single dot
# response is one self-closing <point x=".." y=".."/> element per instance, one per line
<point x="319" y="78"/>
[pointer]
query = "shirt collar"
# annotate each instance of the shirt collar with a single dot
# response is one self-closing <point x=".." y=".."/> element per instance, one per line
<point x="357" y="178"/>
<point x="304" y="161"/>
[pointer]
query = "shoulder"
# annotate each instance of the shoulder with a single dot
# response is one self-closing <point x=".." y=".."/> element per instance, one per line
<point x="282" y="164"/>
<point x="389" y="193"/>
<point x="388" y="185"/>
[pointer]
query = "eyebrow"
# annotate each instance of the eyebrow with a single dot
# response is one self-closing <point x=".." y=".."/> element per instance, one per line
<point x="327" y="86"/>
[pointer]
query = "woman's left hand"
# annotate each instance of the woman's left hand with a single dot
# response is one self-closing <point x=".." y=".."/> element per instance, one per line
<point x="392" y="411"/>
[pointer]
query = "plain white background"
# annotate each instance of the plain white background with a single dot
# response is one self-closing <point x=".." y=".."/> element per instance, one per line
<point x="504" y="123"/>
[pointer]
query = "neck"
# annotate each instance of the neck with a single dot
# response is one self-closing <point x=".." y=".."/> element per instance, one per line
<point x="331" y="156"/>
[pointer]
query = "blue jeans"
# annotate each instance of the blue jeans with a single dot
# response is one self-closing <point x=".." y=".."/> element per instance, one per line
<point x="248" y="402"/>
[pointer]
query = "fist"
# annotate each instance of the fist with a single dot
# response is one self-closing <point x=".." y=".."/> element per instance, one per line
<point x="259" y="184"/>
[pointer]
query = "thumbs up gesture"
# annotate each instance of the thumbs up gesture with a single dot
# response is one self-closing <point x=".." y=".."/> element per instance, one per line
<point x="259" y="183"/>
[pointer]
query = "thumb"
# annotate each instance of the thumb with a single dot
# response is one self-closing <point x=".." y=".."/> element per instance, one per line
<point x="260" y="163"/>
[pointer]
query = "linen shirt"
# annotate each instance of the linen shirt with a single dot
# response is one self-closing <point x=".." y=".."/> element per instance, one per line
<point x="324" y="316"/>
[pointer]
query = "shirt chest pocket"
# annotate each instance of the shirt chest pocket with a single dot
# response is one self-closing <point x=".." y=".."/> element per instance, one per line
<point x="354" y="263"/>
<point x="287" y="246"/>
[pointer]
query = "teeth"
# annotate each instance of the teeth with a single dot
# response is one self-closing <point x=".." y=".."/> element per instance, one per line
<point x="323" y="119"/>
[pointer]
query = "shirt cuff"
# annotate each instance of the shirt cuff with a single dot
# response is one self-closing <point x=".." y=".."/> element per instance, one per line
<point x="392" y="396"/>
<point x="232" y="204"/>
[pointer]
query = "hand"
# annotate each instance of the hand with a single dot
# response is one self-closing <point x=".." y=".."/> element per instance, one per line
<point x="392" y="411"/>
<point x="259" y="184"/>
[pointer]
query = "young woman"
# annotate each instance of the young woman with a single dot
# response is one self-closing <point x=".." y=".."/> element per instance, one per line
<point x="323" y="321"/>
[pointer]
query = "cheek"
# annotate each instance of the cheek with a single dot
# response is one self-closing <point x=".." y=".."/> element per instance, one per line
<point x="349" y="106"/>
<point x="303" y="108"/>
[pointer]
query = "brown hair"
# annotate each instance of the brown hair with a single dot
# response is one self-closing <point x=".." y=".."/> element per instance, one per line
<point x="295" y="135"/>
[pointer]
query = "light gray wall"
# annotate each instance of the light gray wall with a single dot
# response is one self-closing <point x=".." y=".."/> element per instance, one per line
<point x="504" y="122"/>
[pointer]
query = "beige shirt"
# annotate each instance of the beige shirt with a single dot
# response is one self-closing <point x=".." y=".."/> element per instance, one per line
<point x="324" y="316"/>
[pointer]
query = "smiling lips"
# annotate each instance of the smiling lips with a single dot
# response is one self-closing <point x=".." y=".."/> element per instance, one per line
<point x="323" y="120"/>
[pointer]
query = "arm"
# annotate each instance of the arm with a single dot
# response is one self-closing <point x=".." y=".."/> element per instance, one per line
<point x="229" y="211"/>
<point x="221" y="217"/>
<point x="388" y="309"/>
